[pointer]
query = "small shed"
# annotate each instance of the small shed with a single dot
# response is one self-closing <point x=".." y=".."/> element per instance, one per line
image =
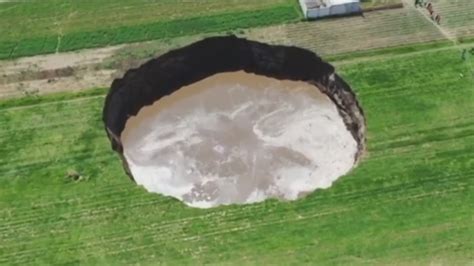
<point x="313" y="9"/>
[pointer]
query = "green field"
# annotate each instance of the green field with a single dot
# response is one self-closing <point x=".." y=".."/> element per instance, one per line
<point x="39" y="27"/>
<point x="409" y="202"/>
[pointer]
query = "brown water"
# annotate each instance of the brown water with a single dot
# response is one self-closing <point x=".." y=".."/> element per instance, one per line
<point x="238" y="138"/>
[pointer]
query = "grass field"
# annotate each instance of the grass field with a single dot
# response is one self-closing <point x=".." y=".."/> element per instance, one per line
<point x="409" y="202"/>
<point x="39" y="27"/>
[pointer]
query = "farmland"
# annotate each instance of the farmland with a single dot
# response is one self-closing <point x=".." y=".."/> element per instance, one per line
<point x="406" y="203"/>
<point x="39" y="27"/>
<point x="403" y="29"/>
<point x="409" y="202"/>
<point x="389" y="28"/>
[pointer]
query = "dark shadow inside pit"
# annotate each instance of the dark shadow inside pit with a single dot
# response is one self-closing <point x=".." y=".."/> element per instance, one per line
<point x="200" y="61"/>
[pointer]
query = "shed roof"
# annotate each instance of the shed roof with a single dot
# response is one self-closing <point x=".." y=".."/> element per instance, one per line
<point x="327" y="3"/>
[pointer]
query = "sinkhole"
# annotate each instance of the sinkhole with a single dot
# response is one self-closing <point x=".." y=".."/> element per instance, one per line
<point x="231" y="121"/>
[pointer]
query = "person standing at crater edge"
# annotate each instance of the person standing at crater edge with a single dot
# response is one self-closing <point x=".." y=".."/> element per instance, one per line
<point x="429" y="7"/>
<point x="438" y="19"/>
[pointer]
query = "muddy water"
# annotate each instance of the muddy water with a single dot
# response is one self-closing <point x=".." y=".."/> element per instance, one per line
<point x="238" y="138"/>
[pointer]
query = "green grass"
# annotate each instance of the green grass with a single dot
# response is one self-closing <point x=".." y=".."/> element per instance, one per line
<point x="401" y="50"/>
<point x="409" y="202"/>
<point x="39" y="27"/>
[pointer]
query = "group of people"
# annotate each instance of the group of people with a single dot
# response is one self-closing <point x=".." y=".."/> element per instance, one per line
<point x="429" y="6"/>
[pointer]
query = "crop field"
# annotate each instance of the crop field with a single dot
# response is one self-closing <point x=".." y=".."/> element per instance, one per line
<point x="409" y="201"/>
<point x="389" y="28"/>
<point x="39" y="27"/>
<point x="458" y="16"/>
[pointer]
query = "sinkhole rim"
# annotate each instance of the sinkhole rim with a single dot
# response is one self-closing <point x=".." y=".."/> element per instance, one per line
<point x="178" y="68"/>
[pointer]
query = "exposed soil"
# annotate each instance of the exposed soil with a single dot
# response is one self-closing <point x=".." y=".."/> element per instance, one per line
<point x="152" y="140"/>
<point x="56" y="72"/>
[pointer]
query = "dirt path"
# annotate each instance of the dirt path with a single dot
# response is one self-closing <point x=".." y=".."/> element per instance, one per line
<point x="57" y="61"/>
<point x="77" y="70"/>
<point x="56" y="72"/>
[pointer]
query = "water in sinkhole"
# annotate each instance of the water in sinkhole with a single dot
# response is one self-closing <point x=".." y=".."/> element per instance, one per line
<point x="238" y="138"/>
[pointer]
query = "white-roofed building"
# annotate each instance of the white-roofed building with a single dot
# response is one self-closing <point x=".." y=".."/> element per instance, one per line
<point x="313" y="9"/>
